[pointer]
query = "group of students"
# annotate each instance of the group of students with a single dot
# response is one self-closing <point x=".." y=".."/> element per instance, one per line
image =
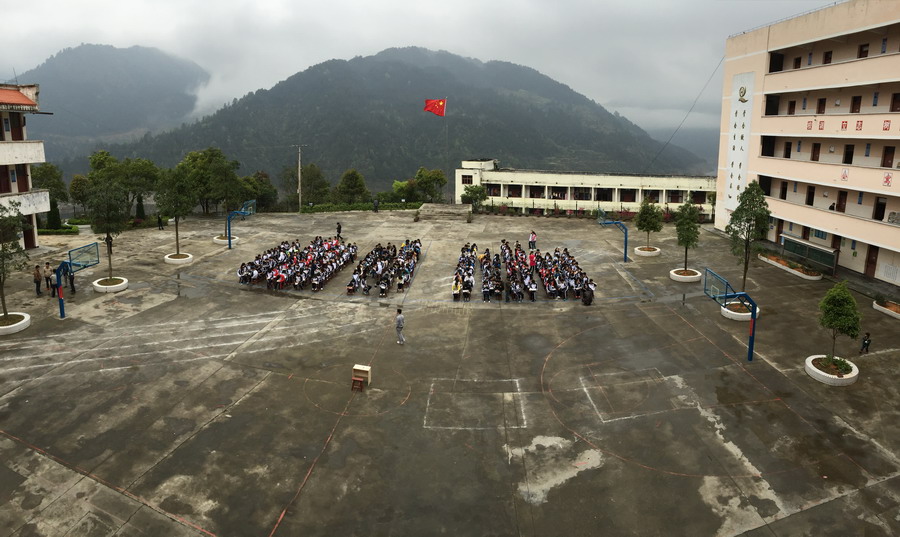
<point x="49" y="277"/>
<point x="559" y="274"/>
<point x="292" y="264"/>
<point x="386" y="265"/>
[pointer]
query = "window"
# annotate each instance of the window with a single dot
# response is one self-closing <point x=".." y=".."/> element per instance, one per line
<point x="809" y="59"/>
<point x="797" y="62"/>
<point x="820" y="234"/>
<point x="863" y="51"/>
<point x="883" y="45"/>
<point x="6" y="122"/>
<point x="467" y="179"/>
<point x="799" y="144"/>
<point x="859" y="199"/>
<point x="875" y="99"/>
<point x="848" y="154"/>
<point x="803" y="105"/>
<point x="853" y="245"/>
<point x="826" y="57"/>
<point x="868" y="150"/>
<point x="795" y="186"/>
<point x="790" y="226"/>
<point x="12" y="175"/>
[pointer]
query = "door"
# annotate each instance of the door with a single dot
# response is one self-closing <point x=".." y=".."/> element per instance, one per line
<point x="805" y="234"/>
<point x="820" y="106"/>
<point x="15" y="120"/>
<point x="797" y="62"/>
<point x="810" y="195"/>
<point x="5" y="185"/>
<point x="871" y="261"/>
<point x="895" y="102"/>
<point x="842" y="201"/>
<point x="792" y="107"/>
<point x="30" y="232"/>
<point x="783" y="193"/>
<point x="878" y="213"/>
<point x="779" y="230"/>
<point x="887" y="158"/>
<point x="787" y="149"/>
<point x="848" y="154"/>
<point x="814" y="154"/>
<point x="855" y="104"/>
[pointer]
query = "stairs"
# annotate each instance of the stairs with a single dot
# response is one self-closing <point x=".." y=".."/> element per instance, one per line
<point x="441" y="211"/>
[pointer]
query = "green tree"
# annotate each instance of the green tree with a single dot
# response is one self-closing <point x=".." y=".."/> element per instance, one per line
<point x="838" y="312"/>
<point x="316" y="188"/>
<point x="107" y="200"/>
<point x="13" y="257"/>
<point x="404" y="190"/>
<point x="50" y="177"/>
<point x="474" y="194"/>
<point x="215" y="177"/>
<point x="262" y="190"/>
<point x="138" y="176"/>
<point x="78" y="190"/>
<point x="177" y="195"/>
<point x="351" y="189"/>
<point x="649" y="218"/>
<point x="749" y="222"/>
<point x="429" y="184"/>
<point x="687" y="226"/>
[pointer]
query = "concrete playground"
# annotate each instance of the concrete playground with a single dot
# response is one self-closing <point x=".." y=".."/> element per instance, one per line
<point x="190" y="405"/>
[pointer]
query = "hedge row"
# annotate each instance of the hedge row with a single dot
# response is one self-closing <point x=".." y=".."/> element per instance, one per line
<point x="367" y="206"/>
<point x="66" y="230"/>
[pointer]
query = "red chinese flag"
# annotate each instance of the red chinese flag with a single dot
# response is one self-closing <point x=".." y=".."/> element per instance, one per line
<point x="436" y="106"/>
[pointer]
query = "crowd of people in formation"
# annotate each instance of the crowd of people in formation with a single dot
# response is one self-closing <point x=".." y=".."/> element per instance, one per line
<point x="558" y="273"/>
<point x="384" y="266"/>
<point x="293" y="264"/>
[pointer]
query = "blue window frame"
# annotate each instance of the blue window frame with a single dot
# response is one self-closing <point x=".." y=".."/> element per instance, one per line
<point x="790" y="226"/>
<point x="809" y="59"/>
<point x="883" y="45"/>
<point x="853" y="245"/>
<point x="803" y="105"/>
<point x="859" y="199"/>
<point x="795" y="186"/>
<point x="799" y="145"/>
<point x="12" y="175"/>
<point x="875" y="99"/>
<point x="820" y="234"/>
<point x="868" y="149"/>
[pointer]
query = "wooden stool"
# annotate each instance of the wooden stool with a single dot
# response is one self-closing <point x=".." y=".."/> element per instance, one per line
<point x="357" y="384"/>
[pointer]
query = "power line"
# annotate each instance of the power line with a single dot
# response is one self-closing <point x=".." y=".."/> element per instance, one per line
<point x="678" y="128"/>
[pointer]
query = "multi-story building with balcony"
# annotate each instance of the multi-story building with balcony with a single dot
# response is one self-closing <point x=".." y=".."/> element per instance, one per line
<point x="811" y="110"/>
<point x="536" y="191"/>
<point x="17" y="154"/>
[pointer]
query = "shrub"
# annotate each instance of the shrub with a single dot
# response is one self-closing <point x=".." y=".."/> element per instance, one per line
<point x="79" y="221"/>
<point x="416" y="216"/>
<point x="469" y="218"/>
<point x="339" y="207"/>
<point x="65" y="230"/>
<point x="881" y="300"/>
<point x="503" y="209"/>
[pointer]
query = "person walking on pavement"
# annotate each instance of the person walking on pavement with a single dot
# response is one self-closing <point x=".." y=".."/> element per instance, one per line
<point x="48" y="272"/>
<point x="37" y="279"/>
<point x="866" y="340"/>
<point x="399" y="321"/>
<point x="339" y="231"/>
<point x="159" y="222"/>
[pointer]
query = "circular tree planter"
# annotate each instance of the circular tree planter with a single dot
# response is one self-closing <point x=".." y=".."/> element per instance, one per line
<point x="647" y="251"/>
<point x="738" y="315"/>
<point x="689" y="275"/>
<point x="113" y="285"/>
<point x="23" y="323"/>
<point x="178" y="259"/>
<point x="222" y="239"/>
<point x="886" y="311"/>
<point x="827" y="378"/>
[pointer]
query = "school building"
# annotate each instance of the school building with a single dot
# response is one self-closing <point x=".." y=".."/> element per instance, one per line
<point x="537" y="192"/>
<point x="811" y="110"/>
<point x="17" y="154"/>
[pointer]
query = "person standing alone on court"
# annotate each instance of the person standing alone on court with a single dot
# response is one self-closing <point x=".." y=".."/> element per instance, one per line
<point x="532" y="241"/>
<point x="37" y="279"/>
<point x="339" y="231"/>
<point x="399" y="321"/>
<point x="865" y="344"/>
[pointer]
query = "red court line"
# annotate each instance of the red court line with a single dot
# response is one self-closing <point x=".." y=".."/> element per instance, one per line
<point x="105" y="483"/>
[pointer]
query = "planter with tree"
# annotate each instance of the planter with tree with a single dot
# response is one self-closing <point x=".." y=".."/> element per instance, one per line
<point x="789" y="266"/>
<point x="109" y="215"/>
<point x="749" y="223"/>
<point x="887" y="307"/>
<point x="13" y="259"/>
<point x="687" y="226"/>
<point x="176" y="195"/>
<point x="649" y="219"/>
<point x="839" y="314"/>
<point x="474" y="195"/>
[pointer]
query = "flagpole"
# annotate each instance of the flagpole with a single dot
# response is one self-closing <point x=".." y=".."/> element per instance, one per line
<point x="447" y="148"/>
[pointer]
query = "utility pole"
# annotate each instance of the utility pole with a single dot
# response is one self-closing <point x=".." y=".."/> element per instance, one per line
<point x="299" y="177"/>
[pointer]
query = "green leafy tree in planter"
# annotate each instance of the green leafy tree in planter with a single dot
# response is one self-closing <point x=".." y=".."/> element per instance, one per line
<point x="687" y="226"/>
<point x="107" y="199"/>
<point x="78" y="191"/>
<point x="474" y="194"/>
<point x="262" y="190"/>
<point x="838" y="312"/>
<point x="177" y="195"/>
<point x="50" y="177"/>
<point x="649" y="218"/>
<point x="13" y="257"/>
<point x="351" y="189"/>
<point x="138" y="176"/>
<point x="429" y="185"/>
<point x="749" y="222"/>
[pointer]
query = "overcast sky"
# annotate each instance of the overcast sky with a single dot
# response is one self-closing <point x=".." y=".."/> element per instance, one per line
<point x="646" y="59"/>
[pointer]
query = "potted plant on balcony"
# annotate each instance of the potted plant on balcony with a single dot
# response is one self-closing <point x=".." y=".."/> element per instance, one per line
<point x="839" y="314"/>
<point x="649" y="219"/>
<point x="13" y="258"/>
<point x="687" y="226"/>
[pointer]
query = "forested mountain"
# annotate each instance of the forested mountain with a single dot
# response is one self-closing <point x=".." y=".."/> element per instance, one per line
<point x="100" y="94"/>
<point x="366" y="113"/>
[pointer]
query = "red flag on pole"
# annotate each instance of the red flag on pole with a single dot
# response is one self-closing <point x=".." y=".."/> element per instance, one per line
<point x="436" y="106"/>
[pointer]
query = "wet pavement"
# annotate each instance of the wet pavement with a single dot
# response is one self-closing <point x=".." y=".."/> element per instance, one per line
<point x="191" y="405"/>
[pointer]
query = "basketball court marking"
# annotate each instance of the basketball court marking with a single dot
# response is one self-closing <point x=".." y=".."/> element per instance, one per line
<point x="516" y="396"/>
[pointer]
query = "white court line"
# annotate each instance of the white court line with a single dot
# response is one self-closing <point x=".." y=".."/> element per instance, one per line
<point x="511" y="395"/>
<point x="591" y="399"/>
